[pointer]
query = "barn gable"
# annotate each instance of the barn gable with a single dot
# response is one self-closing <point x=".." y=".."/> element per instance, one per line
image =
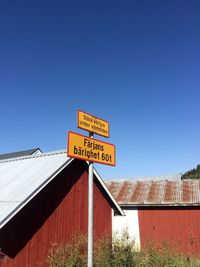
<point x="43" y="202"/>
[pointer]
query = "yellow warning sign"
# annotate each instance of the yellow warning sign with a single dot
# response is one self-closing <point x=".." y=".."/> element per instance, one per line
<point x="93" y="124"/>
<point x="85" y="148"/>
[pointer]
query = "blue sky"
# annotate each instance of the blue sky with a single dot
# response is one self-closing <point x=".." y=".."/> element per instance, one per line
<point x="133" y="63"/>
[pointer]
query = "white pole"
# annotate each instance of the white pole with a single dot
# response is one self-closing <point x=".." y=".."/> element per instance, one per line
<point x="90" y="212"/>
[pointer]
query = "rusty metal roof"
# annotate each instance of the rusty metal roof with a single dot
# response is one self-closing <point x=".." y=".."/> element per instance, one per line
<point x="163" y="192"/>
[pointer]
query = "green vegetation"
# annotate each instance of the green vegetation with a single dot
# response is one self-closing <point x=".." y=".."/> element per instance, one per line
<point x="192" y="174"/>
<point x="119" y="254"/>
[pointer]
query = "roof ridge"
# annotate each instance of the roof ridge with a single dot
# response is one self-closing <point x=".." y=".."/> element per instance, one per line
<point x="164" y="177"/>
<point x="24" y="150"/>
<point x="144" y="181"/>
<point x="34" y="156"/>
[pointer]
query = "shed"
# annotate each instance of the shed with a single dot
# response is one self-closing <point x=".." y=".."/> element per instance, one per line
<point x="160" y="210"/>
<point x="43" y="201"/>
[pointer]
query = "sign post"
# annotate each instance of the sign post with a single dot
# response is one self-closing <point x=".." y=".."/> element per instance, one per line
<point x="92" y="150"/>
<point x="90" y="211"/>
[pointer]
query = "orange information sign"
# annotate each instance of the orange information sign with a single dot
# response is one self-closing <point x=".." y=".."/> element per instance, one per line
<point x="93" y="124"/>
<point x="90" y="149"/>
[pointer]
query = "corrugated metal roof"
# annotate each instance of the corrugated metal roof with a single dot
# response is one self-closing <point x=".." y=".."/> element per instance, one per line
<point x="20" y="153"/>
<point x="163" y="192"/>
<point x="23" y="177"/>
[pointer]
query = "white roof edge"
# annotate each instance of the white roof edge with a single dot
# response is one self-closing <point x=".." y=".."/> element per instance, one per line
<point x="118" y="208"/>
<point x="35" y="192"/>
<point x="38" y="151"/>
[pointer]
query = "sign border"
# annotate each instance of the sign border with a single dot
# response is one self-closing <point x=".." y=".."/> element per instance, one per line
<point x="92" y="139"/>
<point x="79" y="110"/>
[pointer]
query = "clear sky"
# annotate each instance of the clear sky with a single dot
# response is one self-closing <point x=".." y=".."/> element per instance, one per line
<point x="133" y="63"/>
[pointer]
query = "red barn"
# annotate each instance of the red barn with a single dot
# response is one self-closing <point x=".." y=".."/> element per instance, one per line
<point x="44" y="201"/>
<point x="160" y="211"/>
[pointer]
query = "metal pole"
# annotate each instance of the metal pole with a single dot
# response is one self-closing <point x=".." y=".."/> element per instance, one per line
<point x="90" y="212"/>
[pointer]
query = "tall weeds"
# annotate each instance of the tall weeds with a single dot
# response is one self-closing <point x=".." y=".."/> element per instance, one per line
<point x="121" y="252"/>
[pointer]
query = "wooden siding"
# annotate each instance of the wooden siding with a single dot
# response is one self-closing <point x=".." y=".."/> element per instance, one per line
<point x="180" y="226"/>
<point x="57" y="212"/>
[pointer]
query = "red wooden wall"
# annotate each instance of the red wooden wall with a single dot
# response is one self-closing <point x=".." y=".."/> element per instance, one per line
<point x="179" y="226"/>
<point x="57" y="212"/>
